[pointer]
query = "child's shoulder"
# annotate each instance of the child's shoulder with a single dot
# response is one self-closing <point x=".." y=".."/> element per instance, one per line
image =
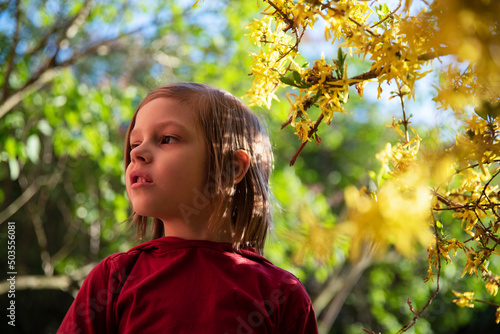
<point x="191" y="255"/>
<point x="259" y="263"/>
<point x="125" y="259"/>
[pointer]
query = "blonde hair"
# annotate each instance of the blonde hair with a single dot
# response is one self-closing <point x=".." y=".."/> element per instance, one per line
<point x="228" y="125"/>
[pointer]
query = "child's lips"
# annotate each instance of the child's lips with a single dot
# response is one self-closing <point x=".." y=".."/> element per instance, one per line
<point x="139" y="179"/>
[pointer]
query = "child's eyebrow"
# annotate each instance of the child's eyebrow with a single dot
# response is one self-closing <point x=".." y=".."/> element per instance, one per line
<point x="162" y="125"/>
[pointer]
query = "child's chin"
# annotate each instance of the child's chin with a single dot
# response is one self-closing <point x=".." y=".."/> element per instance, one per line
<point x="146" y="212"/>
<point x="141" y="211"/>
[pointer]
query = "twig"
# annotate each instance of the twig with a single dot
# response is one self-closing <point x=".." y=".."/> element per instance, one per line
<point x="368" y="30"/>
<point x="483" y="193"/>
<point x="417" y="314"/>
<point x="405" y="120"/>
<point x="19" y="202"/>
<point x="51" y="69"/>
<point x="58" y="27"/>
<point x="77" y="20"/>
<point x="485" y="302"/>
<point x="476" y="165"/>
<point x="289" y="21"/>
<point x="311" y="132"/>
<point x="290" y="25"/>
<point x="370" y="332"/>
<point x="387" y="16"/>
<point x="40" y="282"/>
<point x="350" y="282"/>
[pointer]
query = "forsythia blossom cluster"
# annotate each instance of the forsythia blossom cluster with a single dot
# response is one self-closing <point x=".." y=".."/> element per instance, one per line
<point x="398" y="212"/>
<point x="415" y="185"/>
<point x="474" y="199"/>
<point x="269" y="64"/>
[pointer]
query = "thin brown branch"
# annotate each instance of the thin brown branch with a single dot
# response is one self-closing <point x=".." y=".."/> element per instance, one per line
<point x="364" y="76"/>
<point x="349" y="283"/>
<point x="58" y="27"/>
<point x="417" y="314"/>
<point x="68" y="241"/>
<point x="309" y="101"/>
<point x="19" y="202"/>
<point x="477" y="165"/>
<point x="34" y="85"/>
<point x="284" y="16"/>
<point x="42" y="41"/>
<point x="32" y="189"/>
<point x="41" y="237"/>
<point x="311" y="132"/>
<point x="73" y="24"/>
<point x="322" y="300"/>
<point x="444" y="51"/>
<point x="40" y="282"/>
<point x="486" y="302"/>
<point x="405" y="120"/>
<point x="483" y="193"/>
<point x="31" y="282"/>
<point x="36" y="218"/>
<point x="76" y="21"/>
<point x="386" y="17"/>
<point x="367" y="29"/>
<point x="373" y="73"/>
<point x="468" y="206"/>
<point x="369" y="332"/>
<point x="50" y="71"/>
<point x="290" y="119"/>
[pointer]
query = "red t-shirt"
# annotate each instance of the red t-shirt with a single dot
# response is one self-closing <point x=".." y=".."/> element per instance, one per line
<point x="171" y="285"/>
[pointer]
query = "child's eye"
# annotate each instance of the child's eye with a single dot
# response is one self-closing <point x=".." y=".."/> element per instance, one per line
<point x="169" y="140"/>
<point x="132" y="146"/>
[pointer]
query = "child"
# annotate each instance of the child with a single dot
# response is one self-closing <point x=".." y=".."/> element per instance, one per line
<point x="197" y="163"/>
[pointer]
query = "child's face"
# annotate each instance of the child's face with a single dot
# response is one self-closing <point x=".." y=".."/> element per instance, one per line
<point x="167" y="171"/>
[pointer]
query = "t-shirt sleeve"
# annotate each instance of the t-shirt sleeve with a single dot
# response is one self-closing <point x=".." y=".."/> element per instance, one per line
<point x="92" y="309"/>
<point x="298" y="313"/>
<point x="304" y="324"/>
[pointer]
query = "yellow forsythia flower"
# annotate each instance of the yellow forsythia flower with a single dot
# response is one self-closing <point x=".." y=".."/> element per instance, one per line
<point x="492" y="287"/>
<point x="398" y="216"/>
<point x="464" y="299"/>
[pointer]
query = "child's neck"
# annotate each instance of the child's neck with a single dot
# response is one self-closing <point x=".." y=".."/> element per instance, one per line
<point x="197" y="231"/>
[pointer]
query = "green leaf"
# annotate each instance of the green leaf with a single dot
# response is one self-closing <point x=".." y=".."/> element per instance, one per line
<point x="296" y="77"/>
<point x="14" y="168"/>
<point x="44" y="127"/>
<point x="382" y="11"/>
<point x="10" y="147"/>
<point x="488" y="110"/>
<point x="288" y="81"/>
<point x="33" y="148"/>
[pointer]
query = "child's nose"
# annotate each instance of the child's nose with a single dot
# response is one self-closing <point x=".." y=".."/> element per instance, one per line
<point x="140" y="154"/>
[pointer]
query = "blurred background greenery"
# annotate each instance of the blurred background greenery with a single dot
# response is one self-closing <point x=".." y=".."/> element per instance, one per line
<point x="72" y="74"/>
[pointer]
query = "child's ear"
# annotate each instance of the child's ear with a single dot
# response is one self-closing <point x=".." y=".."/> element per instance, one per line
<point x="241" y="162"/>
